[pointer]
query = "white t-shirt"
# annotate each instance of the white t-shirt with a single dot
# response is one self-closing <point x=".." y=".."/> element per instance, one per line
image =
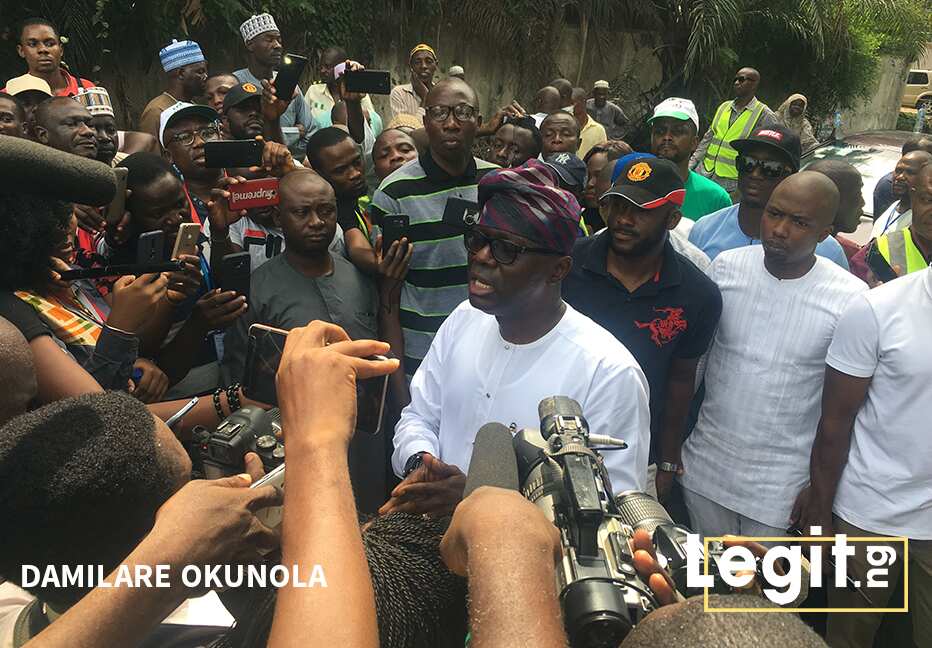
<point x="750" y="448"/>
<point x="891" y="220"/>
<point x="472" y="376"/>
<point x="886" y="486"/>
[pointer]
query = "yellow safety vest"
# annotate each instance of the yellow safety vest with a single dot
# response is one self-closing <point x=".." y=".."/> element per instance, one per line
<point x="720" y="157"/>
<point x="898" y="249"/>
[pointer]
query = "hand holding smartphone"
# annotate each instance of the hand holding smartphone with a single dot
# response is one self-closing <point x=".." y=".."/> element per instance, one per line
<point x="186" y="240"/>
<point x="263" y="356"/>
<point x="288" y="75"/>
<point x="394" y="227"/>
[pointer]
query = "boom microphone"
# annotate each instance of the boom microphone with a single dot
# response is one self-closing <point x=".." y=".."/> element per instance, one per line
<point x="31" y="168"/>
<point x="493" y="460"/>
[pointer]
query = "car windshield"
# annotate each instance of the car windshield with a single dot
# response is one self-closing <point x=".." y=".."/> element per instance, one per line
<point x="871" y="160"/>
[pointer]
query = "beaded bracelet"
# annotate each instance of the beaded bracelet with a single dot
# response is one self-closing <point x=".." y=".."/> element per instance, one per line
<point x="217" y="406"/>
<point x="233" y="397"/>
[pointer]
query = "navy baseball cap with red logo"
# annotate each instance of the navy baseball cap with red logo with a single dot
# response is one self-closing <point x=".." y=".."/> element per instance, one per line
<point x="778" y="138"/>
<point x="649" y="183"/>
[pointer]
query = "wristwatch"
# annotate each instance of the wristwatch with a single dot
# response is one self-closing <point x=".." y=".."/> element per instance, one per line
<point x="666" y="466"/>
<point x="413" y="463"/>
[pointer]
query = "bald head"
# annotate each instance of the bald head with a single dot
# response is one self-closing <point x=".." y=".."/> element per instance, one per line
<point x="815" y="188"/>
<point x="547" y="100"/>
<point x="450" y="86"/>
<point x="17" y="372"/>
<point x="299" y="182"/>
<point x="847" y="180"/>
<point x="746" y="81"/>
<point x="565" y="88"/>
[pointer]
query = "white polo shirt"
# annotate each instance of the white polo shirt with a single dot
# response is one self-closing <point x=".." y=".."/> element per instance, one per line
<point x="886" y="486"/>
<point x="472" y="376"/>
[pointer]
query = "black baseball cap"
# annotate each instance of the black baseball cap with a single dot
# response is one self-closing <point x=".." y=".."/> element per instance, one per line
<point x="649" y="183"/>
<point x="241" y="92"/>
<point x="571" y="169"/>
<point x="778" y="138"/>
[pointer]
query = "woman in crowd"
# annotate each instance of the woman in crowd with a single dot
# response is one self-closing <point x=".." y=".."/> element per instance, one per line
<point x="792" y="114"/>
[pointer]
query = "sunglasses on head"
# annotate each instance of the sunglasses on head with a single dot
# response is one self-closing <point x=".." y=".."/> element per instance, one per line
<point x="768" y="168"/>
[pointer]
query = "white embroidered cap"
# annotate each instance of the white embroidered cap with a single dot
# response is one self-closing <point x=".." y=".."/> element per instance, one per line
<point x="257" y="25"/>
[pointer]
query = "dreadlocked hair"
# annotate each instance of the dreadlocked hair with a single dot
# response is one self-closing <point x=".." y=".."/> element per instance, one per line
<point x="419" y="603"/>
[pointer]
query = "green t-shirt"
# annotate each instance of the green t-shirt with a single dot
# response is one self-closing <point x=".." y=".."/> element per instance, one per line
<point x="703" y="196"/>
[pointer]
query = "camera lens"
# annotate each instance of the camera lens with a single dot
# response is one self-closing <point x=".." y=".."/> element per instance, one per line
<point x="595" y="614"/>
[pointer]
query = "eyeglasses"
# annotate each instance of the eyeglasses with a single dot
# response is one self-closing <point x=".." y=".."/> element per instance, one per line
<point x="503" y="251"/>
<point x="186" y="138"/>
<point x="462" y="112"/>
<point x="768" y="168"/>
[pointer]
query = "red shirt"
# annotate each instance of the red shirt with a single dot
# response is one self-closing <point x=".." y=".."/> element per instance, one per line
<point x="71" y="89"/>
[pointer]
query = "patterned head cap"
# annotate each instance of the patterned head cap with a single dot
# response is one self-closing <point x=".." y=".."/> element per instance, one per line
<point x="527" y="201"/>
<point x="180" y="53"/>
<point x="96" y="100"/>
<point x="257" y="25"/>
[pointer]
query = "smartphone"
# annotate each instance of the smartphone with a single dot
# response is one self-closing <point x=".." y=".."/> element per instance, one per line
<point x="254" y="193"/>
<point x="234" y="273"/>
<point x="288" y="74"/>
<point x="264" y="349"/>
<point x="459" y="213"/>
<point x="879" y="265"/>
<point x="186" y="240"/>
<point x="369" y="81"/>
<point x="119" y="270"/>
<point x="117" y="206"/>
<point x="271" y="516"/>
<point x="394" y="226"/>
<point x="232" y="154"/>
<point x="150" y="248"/>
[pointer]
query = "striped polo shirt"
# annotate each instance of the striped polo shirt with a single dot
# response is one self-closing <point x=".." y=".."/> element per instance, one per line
<point x="436" y="282"/>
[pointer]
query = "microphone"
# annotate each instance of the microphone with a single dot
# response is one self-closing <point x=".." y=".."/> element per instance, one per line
<point x="493" y="460"/>
<point x="31" y="168"/>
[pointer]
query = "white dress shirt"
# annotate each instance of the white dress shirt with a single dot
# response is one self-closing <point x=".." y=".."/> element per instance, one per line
<point x="886" y="486"/>
<point x="749" y="451"/>
<point x="472" y="376"/>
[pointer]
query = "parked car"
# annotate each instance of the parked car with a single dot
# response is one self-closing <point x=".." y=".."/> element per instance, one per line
<point x="918" y="89"/>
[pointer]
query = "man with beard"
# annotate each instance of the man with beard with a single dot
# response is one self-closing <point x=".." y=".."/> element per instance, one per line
<point x="493" y="359"/>
<point x="97" y="102"/>
<point x="899" y="215"/>
<point x="243" y="113"/>
<point x="185" y="75"/>
<point x="410" y="98"/>
<point x="630" y="280"/>
<point x="674" y="135"/>
<point x="264" y="52"/>
<point x="764" y="159"/>
<point x="883" y="190"/>
<point x="748" y="455"/>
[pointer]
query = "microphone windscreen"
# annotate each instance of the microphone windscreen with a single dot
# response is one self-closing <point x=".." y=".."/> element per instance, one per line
<point x="493" y="460"/>
<point x="32" y="168"/>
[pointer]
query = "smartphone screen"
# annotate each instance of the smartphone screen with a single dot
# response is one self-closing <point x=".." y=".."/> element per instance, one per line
<point x="394" y="227"/>
<point x="263" y="355"/>
<point x="232" y="154"/>
<point x="288" y="74"/>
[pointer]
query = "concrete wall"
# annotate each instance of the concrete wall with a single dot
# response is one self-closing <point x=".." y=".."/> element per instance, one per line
<point x="879" y="112"/>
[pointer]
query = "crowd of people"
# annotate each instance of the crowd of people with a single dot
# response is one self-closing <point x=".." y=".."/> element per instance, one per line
<point x="698" y="300"/>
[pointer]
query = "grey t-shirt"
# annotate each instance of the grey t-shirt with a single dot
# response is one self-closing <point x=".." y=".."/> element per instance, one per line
<point x="279" y="296"/>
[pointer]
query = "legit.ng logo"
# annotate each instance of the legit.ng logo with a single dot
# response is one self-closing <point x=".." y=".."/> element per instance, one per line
<point x="248" y="87"/>
<point x="639" y="172"/>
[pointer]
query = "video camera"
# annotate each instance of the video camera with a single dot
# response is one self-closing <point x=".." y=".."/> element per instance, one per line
<point x="561" y="471"/>
<point x="219" y="452"/>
